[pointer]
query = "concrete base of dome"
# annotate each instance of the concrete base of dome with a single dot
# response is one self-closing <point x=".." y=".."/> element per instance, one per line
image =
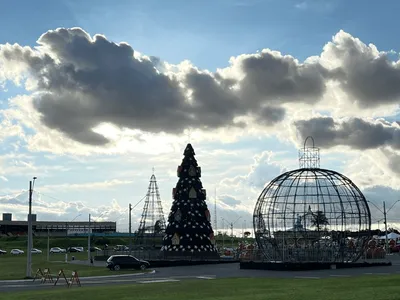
<point x="307" y="266"/>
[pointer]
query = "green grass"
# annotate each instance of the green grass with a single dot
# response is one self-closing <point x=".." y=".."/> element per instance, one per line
<point x="365" y="288"/>
<point x="14" y="266"/>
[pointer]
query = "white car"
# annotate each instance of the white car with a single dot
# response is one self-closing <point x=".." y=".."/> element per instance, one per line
<point x="36" y="251"/>
<point x="57" y="250"/>
<point x="16" y="252"/>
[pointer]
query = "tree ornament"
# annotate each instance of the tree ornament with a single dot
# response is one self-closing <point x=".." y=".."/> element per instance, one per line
<point x="208" y="216"/>
<point x="178" y="215"/>
<point x="178" y="171"/>
<point x="175" y="239"/>
<point x="212" y="238"/>
<point x="192" y="193"/>
<point x="192" y="171"/>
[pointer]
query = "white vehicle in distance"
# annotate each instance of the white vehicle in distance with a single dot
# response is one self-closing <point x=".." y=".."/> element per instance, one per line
<point x="16" y="252"/>
<point x="36" y="251"/>
<point x="57" y="250"/>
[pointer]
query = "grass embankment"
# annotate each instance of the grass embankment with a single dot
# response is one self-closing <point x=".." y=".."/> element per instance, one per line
<point x="14" y="266"/>
<point x="365" y="288"/>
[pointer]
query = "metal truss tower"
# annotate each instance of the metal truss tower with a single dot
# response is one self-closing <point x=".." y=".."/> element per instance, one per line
<point x="152" y="223"/>
<point x="309" y="155"/>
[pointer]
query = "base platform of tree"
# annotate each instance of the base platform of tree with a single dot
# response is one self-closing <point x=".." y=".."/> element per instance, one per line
<point x="172" y="255"/>
<point x="287" y="266"/>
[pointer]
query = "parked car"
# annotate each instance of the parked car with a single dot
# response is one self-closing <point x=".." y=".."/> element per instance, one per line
<point x="16" y="252"/>
<point x="74" y="249"/>
<point x="3" y="252"/>
<point x="94" y="249"/>
<point x="121" y="248"/>
<point x="118" y="262"/>
<point x="57" y="250"/>
<point x="36" y="251"/>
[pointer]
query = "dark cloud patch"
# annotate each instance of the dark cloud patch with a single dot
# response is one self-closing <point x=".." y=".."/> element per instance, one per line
<point x="355" y="133"/>
<point x="270" y="115"/>
<point x="271" y="77"/>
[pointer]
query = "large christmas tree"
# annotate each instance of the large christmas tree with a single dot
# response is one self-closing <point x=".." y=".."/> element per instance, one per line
<point x="189" y="232"/>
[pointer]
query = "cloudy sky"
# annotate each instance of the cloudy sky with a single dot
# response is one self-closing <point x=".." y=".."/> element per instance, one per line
<point x="94" y="94"/>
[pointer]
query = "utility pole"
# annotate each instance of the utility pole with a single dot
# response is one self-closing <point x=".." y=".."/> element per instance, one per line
<point x="48" y="244"/>
<point x="215" y="210"/>
<point x="89" y="253"/>
<point x="384" y="216"/>
<point x="232" y="235"/>
<point x="223" y="233"/>
<point x="29" y="250"/>
<point x="130" y="229"/>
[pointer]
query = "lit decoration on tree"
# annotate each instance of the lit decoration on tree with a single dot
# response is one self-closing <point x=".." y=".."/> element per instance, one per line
<point x="208" y="216"/>
<point x="175" y="239"/>
<point x="189" y="231"/>
<point x="178" y="215"/>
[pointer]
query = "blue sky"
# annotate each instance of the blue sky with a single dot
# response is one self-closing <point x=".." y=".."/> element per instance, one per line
<point x="207" y="33"/>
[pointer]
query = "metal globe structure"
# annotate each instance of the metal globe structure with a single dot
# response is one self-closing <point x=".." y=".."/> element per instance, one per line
<point x="311" y="215"/>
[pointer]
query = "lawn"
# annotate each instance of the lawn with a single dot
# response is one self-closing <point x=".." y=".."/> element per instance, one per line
<point x="14" y="266"/>
<point x="365" y="288"/>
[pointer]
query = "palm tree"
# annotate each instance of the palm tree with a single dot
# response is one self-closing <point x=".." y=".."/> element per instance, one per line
<point x="319" y="220"/>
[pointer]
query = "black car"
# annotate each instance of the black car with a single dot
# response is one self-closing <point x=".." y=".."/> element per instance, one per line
<point x="118" y="262"/>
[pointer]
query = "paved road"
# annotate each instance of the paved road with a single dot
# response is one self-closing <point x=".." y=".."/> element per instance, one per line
<point x="204" y="272"/>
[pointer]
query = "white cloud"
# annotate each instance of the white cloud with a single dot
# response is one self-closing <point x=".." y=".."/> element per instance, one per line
<point x="101" y="185"/>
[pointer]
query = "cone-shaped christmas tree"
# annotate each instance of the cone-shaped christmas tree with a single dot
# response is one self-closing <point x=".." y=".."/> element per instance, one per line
<point x="189" y="232"/>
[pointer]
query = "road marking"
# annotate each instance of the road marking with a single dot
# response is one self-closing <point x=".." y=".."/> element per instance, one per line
<point x="15" y="285"/>
<point x="376" y="273"/>
<point x="205" y="277"/>
<point x="158" y="281"/>
<point x="340" y="275"/>
<point x="307" y="277"/>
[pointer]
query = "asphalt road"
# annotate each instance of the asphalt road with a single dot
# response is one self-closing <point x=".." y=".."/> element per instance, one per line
<point x="204" y="272"/>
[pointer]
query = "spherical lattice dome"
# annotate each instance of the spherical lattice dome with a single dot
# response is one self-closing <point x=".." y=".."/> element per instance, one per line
<point x="312" y="215"/>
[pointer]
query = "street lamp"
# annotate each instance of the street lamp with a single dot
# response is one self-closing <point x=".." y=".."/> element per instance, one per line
<point x="30" y="237"/>
<point x="385" y="212"/>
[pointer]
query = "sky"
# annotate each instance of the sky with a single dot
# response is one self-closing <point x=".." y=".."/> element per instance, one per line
<point x="95" y="94"/>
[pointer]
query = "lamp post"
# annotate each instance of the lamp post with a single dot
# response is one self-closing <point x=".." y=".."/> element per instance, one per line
<point x="88" y="249"/>
<point x="30" y="237"/>
<point x="385" y="212"/>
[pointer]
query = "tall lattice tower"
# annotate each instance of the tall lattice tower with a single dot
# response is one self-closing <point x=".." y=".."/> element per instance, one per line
<point x="152" y="223"/>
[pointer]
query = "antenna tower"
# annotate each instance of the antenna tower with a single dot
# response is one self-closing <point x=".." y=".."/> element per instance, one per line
<point x="152" y="223"/>
<point x="215" y="211"/>
<point x="309" y="156"/>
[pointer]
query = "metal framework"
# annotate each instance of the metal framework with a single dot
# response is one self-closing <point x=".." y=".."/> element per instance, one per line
<point x="312" y="215"/>
<point x="152" y="224"/>
<point x="309" y="155"/>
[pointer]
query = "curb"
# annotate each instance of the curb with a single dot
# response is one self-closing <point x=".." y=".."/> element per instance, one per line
<point x="121" y="275"/>
<point x="82" y="278"/>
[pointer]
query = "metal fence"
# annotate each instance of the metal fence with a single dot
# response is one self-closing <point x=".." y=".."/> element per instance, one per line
<point x="156" y="254"/>
<point x="309" y="255"/>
